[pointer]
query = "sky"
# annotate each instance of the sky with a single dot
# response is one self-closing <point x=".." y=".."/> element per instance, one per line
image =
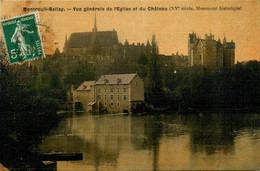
<point x="170" y="27"/>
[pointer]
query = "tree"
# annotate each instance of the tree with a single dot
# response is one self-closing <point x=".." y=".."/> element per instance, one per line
<point x="57" y="53"/>
<point x="143" y="59"/>
<point x="24" y="115"/>
<point x="155" y="80"/>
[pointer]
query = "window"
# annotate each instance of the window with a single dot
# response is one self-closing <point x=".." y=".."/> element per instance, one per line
<point x="125" y="97"/>
<point x="105" y="103"/>
<point x="99" y="90"/>
<point x="112" y="104"/>
<point x="105" y="97"/>
<point x="111" y="90"/>
<point x="98" y="96"/>
<point x="118" y="97"/>
<point x="118" y="90"/>
<point x="118" y="104"/>
<point x="111" y="96"/>
<point x="124" y="89"/>
<point x="105" y="90"/>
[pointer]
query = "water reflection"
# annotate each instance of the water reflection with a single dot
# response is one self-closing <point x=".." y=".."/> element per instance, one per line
<point x="212" y="134"/>
<point x="162" y="142"/>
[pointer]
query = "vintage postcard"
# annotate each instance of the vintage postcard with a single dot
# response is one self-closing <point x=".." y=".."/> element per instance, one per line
<point x="130" y="85"/>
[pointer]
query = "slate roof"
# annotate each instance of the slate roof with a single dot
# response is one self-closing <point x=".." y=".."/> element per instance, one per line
<point x="85" y="85"/>
<point x="115" y="79"/>
<point x="83" y="39"/>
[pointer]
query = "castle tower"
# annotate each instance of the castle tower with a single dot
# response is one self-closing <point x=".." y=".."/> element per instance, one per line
<point x="228" y="53"/>
<point x="191" y="42"/>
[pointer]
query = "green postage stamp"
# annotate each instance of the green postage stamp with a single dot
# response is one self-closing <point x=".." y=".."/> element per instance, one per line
<point x="22" y="38"/>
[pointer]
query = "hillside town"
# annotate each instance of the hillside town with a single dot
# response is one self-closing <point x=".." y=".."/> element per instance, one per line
<point x="98" y="53"/>
<point x="103" y="47"/>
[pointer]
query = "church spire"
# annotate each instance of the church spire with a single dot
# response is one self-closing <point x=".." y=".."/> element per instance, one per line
<point x="95" y="23"/>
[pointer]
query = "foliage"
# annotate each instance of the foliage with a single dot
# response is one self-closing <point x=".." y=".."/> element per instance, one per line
<point x="139" y="108"/>
<point x="77" y="73"/>
<point x="29" y="101"/>
<point x="143" y="59"/>
<point x="234" y="88"/>
<point x="154" y="94"/>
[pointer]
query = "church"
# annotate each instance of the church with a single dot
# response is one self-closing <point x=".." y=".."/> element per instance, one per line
<point x="103" y="47"/>
<point x="89" y="44"/>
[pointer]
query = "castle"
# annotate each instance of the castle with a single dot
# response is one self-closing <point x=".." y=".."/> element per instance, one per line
<point x="104" y="47"/>
<point x="210" y="53"/>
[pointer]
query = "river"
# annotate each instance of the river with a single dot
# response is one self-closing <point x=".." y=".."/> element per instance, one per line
<point x="157" y="142"/>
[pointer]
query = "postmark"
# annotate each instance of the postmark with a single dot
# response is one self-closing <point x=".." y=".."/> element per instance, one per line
<point x="22" y="38"/>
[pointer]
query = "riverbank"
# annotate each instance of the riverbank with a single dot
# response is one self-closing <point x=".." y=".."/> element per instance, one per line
<point x="20" y="135"/>
<point x="168" y="109"/>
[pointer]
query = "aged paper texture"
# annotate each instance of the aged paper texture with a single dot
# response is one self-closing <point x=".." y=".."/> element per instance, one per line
<point x="130" y="85"/>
